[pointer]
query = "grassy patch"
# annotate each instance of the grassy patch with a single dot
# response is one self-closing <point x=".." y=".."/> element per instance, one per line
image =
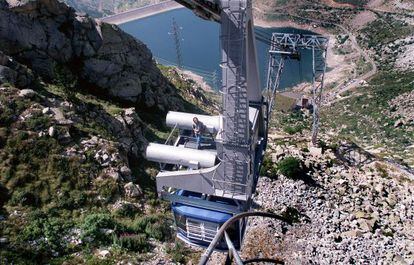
<point x="178" y="252"/>
<point x="365" y="119"/>
<point x="384" y="30"/>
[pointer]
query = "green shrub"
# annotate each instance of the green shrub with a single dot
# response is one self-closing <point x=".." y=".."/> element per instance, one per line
<point x="47" y="231"/>
<point x="66" y="80"/>
<point x="159" y="231"/>
<point x="37" y="121"/>
<point x="24" y="198"/>
<point x="93" y="228"/>
<point x="290" y="167"/>
<point x="107" y="188"/>
<point x="291" y="214"/>
<point x="141" y="223"/>
<point x="155" y="226"/>
<point x="138" y="242"/>
<point x="178" y="252"/>
<point x="293" y="129"/>
<point x="126" y="210"/>
<point x="268" y="168"/>
<point x="72" y="200"/>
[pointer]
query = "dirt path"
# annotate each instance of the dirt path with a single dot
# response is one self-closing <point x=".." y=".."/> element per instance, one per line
<point x="334" y="95"/>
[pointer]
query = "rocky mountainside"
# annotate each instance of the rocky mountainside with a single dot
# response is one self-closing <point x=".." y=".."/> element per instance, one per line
<point x="100" y="8"/>
<point x="79" y="100"/>
<point x="53" y="40"/>
<point x="347" y="208"/>
<point x="350" y="200"/>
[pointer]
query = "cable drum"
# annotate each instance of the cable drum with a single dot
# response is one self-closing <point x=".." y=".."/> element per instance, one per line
<point x="185" y="121"/>
<point x="168" y="154"/>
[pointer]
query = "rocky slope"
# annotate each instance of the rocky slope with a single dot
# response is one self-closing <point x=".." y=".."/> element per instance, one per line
<point x="348" y="209"/>
<point x="352" y="203"/>
<point x="75" y="188"/>
<point x="79" y="100"/>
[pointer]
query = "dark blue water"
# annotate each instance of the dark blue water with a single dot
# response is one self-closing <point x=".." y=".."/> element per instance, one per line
<point x="200" y="46"/>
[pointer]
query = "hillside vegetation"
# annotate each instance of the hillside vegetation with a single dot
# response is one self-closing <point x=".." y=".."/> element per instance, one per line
<point x="349" y="197"/>
<point x="74" y="185"/>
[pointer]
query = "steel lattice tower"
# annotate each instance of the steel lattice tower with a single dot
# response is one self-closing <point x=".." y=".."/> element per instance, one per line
<point x="176" y="36"/>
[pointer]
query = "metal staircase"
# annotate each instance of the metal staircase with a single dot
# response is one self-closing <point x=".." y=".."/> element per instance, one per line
<point x="232" y="181"/>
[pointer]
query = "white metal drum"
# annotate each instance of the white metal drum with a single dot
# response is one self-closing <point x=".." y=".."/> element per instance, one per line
<point x="185" y="121"/>
<point x="179" y="155"/>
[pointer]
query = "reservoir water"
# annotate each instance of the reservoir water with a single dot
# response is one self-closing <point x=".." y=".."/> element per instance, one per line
<point x="200" y="46"/>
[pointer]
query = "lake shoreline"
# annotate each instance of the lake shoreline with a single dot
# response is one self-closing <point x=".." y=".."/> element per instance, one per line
<point x="288" y="24"/>
<point x="200" y="48"/>
<point x="152" y="10"/>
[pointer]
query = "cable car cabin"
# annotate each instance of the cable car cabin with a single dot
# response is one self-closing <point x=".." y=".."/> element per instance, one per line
<point x="198" y="226"/>
<point x="189" y="174"/>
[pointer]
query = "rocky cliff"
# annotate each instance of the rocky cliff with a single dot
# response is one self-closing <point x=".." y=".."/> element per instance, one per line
<point x="78" y="102"/>
<point x="52" y="39"/>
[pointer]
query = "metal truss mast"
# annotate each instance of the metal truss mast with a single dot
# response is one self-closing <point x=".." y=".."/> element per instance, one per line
<point x="285" y="45"/>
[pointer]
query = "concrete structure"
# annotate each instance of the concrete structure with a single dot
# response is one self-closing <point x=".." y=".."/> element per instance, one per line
<point x="141" y="12"/>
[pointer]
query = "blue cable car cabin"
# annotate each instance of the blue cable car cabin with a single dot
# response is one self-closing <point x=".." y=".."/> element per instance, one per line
<point x="198" y="226"/>
<point x="201" y="199"/>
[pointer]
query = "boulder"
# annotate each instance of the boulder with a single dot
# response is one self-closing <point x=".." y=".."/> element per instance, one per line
<point x="7" y="75"/>
<point x="14" y="73"/>
<point x="315" y="151"/>
<point x="132" y="190"/>
<point x="398" y="123"/>
<point x="46" y="110"/>
<point x="352" y="233"/>
<point x="126" y="172"/>
<point x="51" y="131"/>
<point x="27" y="93"/>
<point x="104" y="253"/>
<point x="4" y="240"/>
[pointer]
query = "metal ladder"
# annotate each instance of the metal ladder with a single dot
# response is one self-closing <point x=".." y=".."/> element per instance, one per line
<point x="234" y="178"/>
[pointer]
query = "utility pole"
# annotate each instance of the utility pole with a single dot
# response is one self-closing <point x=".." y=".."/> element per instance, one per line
<point x="175" y="32"/>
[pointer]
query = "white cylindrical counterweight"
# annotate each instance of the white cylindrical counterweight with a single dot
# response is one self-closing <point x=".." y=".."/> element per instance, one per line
<point x="188" y="157"/>
<point x="185" y="121"/>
